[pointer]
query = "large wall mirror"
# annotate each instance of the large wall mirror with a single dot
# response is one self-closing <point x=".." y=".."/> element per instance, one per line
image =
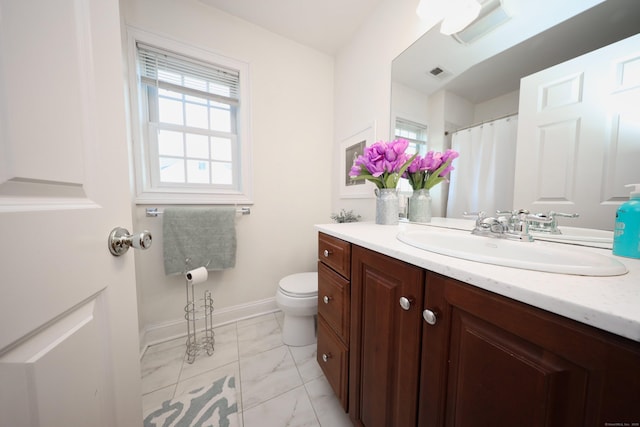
<point x="447" y="85"/>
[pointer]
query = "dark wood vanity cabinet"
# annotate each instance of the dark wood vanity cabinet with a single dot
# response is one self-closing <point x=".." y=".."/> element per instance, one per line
<point x="492" y="361"/>
<point x="334" y="305"/>
<point x="385" y="339"/>
<point x="485" y="360"/>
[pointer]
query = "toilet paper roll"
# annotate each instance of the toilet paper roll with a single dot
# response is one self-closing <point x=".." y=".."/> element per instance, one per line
<point x="197" y="275"/>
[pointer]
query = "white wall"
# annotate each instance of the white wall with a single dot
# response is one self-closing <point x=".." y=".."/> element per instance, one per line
<point x="458" y="111"/>
<point x="363" y="82"/>
<point x="497" y="107"/>
<point x="408" y="104"/>
<point x="292" y="129"/>
<point x="363" y="69"/>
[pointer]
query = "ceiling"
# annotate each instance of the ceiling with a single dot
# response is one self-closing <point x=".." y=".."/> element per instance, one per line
<point x="325" y="25"/>
<point x="595" y="28"/>
<point x="477" y="79"/>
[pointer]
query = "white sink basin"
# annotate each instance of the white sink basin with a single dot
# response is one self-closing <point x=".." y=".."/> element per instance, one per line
<point x="525" y="255"/>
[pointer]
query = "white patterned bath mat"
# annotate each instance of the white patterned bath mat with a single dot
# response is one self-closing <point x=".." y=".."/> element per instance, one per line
<point x="211" y="406"/>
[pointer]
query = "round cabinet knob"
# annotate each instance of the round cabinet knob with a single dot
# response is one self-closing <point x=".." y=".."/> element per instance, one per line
<point x="430" y="317"/>
<point x="326" y="357"/>
<point x="405" y="303"/>
<point x="326" y="253"/>
<point x="326" y="299"/>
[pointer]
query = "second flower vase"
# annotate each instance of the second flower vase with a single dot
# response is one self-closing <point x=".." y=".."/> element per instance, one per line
<point x="386" y="206"/>
<point x="420" y="206"/>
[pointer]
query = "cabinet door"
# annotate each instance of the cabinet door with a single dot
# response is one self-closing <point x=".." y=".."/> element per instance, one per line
<point x="385" y="340"/>
<point x="507" y="364"/>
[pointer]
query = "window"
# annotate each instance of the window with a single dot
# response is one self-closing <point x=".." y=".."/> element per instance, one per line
<point x="194" y="142"/>
<point x="416" y="134"/>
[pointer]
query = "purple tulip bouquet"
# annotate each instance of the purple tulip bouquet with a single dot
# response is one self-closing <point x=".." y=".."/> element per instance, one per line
<point x="382" y="163"/>
<point x="430" y="170"/>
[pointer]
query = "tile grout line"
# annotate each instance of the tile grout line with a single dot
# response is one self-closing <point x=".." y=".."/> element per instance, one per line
<point x="304" y="385"/>
<point x="184" y="356"/>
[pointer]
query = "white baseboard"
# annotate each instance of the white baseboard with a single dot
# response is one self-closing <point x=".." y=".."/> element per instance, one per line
<point x="165" y="331"/>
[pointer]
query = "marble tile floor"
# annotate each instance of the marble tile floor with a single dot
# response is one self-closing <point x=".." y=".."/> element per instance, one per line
<point x="277" y="385"/>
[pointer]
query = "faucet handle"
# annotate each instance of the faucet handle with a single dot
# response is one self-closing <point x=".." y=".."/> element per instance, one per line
<point x="478" y="216"/>
<point x="496" y="225"/>
<point x="474" y="215"/>
<point x="539" y="218"/>
<point x="551" y="224"/>
<point x="563" y="215"/>
<point x="489" y="226"/>
<point x="553" y="214"/>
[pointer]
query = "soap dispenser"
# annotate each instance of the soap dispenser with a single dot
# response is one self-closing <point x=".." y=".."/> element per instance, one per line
<point x="626" y="236"/>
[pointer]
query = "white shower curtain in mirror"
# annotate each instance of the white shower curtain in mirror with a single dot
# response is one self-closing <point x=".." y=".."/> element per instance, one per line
<point x="484" y="172"/>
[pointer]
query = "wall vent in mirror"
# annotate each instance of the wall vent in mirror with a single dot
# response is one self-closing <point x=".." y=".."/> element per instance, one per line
<point x="439" y="73"/>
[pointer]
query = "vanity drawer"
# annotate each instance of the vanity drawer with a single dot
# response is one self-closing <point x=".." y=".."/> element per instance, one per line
<point x="334" y="301"/>
<point x="335" y="253"/>
<point x="333" y="358"/>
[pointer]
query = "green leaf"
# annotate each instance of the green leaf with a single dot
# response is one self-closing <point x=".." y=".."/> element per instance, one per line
<point x="392" y="180"/>
<point x="376" y="180"/>
<point x="417" y="180"/>
<point x="434" y="179"/>
<point x="406" y="165"/>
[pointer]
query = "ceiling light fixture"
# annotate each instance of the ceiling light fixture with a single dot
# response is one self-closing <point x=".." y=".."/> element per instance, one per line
<point x="465" y="13"/>
<point x="491" y="17"/>
<point x="454" y="14"/>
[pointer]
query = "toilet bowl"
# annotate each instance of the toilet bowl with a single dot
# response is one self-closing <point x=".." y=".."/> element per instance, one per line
<point x="297" y="297"/>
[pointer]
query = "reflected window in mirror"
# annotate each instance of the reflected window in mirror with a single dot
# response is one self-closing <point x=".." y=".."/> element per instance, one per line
<point x="416" y="134"/>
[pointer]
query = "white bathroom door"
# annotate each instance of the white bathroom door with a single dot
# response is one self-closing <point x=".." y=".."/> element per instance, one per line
<point x="579" y="135"/>
<point x="68" y="316"/>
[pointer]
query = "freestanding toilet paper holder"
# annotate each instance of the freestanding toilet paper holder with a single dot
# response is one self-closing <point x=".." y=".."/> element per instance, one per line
<point x="194" y="311"/>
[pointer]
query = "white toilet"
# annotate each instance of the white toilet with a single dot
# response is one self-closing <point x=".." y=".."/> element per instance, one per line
<point x="297" y="297"/>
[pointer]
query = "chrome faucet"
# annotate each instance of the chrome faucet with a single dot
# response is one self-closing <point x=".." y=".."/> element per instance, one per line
<point x="552" y="226"/>
<point x="514" y="225"/>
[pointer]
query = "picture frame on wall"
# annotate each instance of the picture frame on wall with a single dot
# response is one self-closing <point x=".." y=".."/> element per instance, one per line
<point x="350" y="149"/>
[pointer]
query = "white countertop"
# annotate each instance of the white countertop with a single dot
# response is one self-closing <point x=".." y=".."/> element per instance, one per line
<point x="608" y="303"/>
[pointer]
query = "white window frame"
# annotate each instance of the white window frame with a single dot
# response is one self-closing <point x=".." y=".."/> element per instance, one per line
<point x="145" y="191"/>
<point x="418" y="144"/>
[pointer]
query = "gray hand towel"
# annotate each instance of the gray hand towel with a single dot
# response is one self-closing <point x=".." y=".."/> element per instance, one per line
<point x="204" y="235"/>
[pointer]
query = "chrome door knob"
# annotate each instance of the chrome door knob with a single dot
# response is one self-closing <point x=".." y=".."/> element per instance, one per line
<point x="430" y="317"/>
<point x="405" y="303"/>
<point x="326" y="357"/>
<point x="120" y="241"/>
<point x="326" y="253"/>
<point x="326" y="299"/>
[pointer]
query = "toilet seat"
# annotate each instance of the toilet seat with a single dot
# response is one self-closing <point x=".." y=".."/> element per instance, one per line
<point x="299" y="285"/>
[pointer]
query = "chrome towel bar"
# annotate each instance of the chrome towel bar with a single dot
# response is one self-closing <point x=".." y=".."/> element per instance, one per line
<point x="154" y="212"/>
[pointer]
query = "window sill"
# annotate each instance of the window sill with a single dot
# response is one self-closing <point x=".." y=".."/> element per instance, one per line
<point x="162" y="198"/>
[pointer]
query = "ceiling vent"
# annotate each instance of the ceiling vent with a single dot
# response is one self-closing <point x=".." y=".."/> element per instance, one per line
<point x="492" y="15"/>
<point x="439" y="73"/>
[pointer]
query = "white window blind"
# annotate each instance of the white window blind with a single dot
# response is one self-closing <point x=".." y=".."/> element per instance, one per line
<point x="193" y="124"/>
<point x="415" y="133"/>
<point x="176" y="73"/>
